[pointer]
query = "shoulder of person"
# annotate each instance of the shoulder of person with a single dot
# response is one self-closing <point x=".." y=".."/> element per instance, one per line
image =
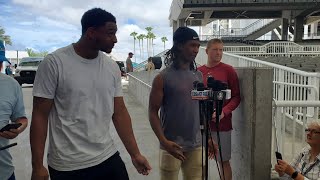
<point x="53" y="56"/>
<point x="108" y="60"/>
<point x="201" y="68"/>
<point x="227" y="66"/>
<point x="11" y="81"/>
<point x="49" y="59"/>
<point x="199" y="74"/>
<point x="63" y="50"/>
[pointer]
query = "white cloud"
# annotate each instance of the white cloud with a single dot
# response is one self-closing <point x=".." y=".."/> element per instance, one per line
<point x="144" y="11"/>
<point x="26" y="23"/>
<point x="57" y="22"/>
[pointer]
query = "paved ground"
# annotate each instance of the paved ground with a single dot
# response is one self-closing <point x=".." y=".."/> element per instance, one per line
<point x="146" y="139"/>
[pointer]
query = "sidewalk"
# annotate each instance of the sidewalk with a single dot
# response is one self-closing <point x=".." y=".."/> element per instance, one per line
<point x="146" y="139"/>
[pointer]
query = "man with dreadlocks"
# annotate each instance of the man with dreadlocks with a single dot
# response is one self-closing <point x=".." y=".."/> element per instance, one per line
<point x="178" y="127"/>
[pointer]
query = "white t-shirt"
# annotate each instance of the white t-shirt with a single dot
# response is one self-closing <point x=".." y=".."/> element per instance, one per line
<point x="83" y="91"/>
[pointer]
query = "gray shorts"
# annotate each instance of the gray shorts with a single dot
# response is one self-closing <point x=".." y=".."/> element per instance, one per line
<point x="225" y="141"/>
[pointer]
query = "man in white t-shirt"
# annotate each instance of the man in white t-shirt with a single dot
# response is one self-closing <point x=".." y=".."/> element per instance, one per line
<point x="77" y="91"/>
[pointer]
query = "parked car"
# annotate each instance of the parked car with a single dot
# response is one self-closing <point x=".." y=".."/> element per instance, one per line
<point x="122" y="68"/>
<point x="26" y="70"/>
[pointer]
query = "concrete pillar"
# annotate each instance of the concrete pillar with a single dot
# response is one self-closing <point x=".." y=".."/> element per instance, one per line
<point x="182" y="22"/>
<point x="177" y="24"/>
<point x="284" y="29"/>
<point x="252" y="127"/>
<point x="298" y="28"/>
<point x="174" y="26"/>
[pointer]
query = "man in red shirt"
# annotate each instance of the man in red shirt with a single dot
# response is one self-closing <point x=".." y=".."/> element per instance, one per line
<point x="225" y="73"/>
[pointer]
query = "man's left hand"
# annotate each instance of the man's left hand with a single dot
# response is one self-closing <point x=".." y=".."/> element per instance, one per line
<point x="214" y="116"/>
<point x="13" y="133"/>
<point x="141" y="164"/>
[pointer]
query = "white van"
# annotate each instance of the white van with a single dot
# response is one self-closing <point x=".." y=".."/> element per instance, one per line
<point x="26" y="69"/>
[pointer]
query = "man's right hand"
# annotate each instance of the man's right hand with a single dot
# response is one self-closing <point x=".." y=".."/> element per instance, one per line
<point x="174" y="149"/>
<point x="40" y="173"/>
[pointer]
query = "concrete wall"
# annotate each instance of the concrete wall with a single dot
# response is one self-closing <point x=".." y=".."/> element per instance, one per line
<point x="252" y="122"/>
<point x="252" y="127"/>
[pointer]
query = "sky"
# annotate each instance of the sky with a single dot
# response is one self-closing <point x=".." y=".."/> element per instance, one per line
<point x="46" y="25"/>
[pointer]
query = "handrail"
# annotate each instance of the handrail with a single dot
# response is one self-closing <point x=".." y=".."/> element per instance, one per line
<point x="297" y="103"/>
<point x="299" y="72"/>
<point x="143" y="63"/>
<point x="275" y="48"/>
<point x="136" y="78"/>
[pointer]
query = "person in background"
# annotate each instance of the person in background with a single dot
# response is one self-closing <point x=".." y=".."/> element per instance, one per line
<point x="306" y="164"/>
<point x="225" y="73"/>
<point x="150" y="66"/>
<point x="11" y="111"/>
<point x="129" y="65"/>
<point x="8" y="71"/>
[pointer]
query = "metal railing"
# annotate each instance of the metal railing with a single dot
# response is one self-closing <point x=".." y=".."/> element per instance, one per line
<point x="290" y="126"/>
<point x="287" y="49"/>
<point x="141" y="66"/>
<point x="139" y="89"/>
<point x="239" y="32"/>
<point x="193" y="2"/>
<point x="140" y="85"/>
<point x="288" y="84"/>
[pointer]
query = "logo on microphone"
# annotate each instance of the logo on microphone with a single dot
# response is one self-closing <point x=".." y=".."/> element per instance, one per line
<point x="220" y="95"/>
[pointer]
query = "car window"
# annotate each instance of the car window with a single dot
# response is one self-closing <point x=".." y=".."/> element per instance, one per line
<point x="30" y="63"/>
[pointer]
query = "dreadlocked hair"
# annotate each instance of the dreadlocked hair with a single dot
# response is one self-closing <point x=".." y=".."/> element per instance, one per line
<point x="171" y="58"/>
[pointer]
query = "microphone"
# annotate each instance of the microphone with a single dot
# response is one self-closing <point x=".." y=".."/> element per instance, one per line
<point x="199" y="92"/>
<point x="195" y="83"/>
<point x="210" y="82"/>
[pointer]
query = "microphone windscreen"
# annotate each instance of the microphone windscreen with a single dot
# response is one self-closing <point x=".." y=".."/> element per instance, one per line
<point x="200" y="86"/>
<point x="195" y="83"/>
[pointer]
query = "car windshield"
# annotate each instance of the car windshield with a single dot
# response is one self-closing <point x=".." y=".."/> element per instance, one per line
<point x="31" y="61"/>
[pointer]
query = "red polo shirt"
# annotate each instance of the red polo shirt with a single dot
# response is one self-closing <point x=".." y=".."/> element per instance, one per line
<point x="226" y="74"/>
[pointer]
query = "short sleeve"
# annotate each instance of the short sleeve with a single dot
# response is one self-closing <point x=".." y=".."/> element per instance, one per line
<point x="118" y="85"/>
<point x="46" y="79"/>
<point x="18" y="110"/>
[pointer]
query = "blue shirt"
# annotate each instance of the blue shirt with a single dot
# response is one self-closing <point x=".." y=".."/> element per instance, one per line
<point x="11" y="109"/>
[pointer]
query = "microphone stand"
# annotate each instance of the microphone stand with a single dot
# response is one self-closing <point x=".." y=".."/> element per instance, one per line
<point x="202" y="119"/>
<point x="205" y="117"/>
<point x="218" y="104"/>
<point x="204" y="109"/>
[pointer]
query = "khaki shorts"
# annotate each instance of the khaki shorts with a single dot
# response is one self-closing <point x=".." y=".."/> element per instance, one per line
<point x="225" y="141"/>
<point x="191" y="167"/>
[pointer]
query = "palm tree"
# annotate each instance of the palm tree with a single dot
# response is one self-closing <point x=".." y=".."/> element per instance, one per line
<point x="143" y="36"/>
<point x="140" y="37"/>
<point x="149" y="29"/>
<point x="134" y="34"/>
<point x="164" y="39"/>
<point x="6" y="38"/>
<point x="33" y="53"/>
<point x="152" y="37"/>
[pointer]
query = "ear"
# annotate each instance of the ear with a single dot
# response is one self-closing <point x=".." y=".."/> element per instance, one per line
<point x="207" y="50"/>
<point x="90" y="33"/>
<point x="180" y="46"/>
